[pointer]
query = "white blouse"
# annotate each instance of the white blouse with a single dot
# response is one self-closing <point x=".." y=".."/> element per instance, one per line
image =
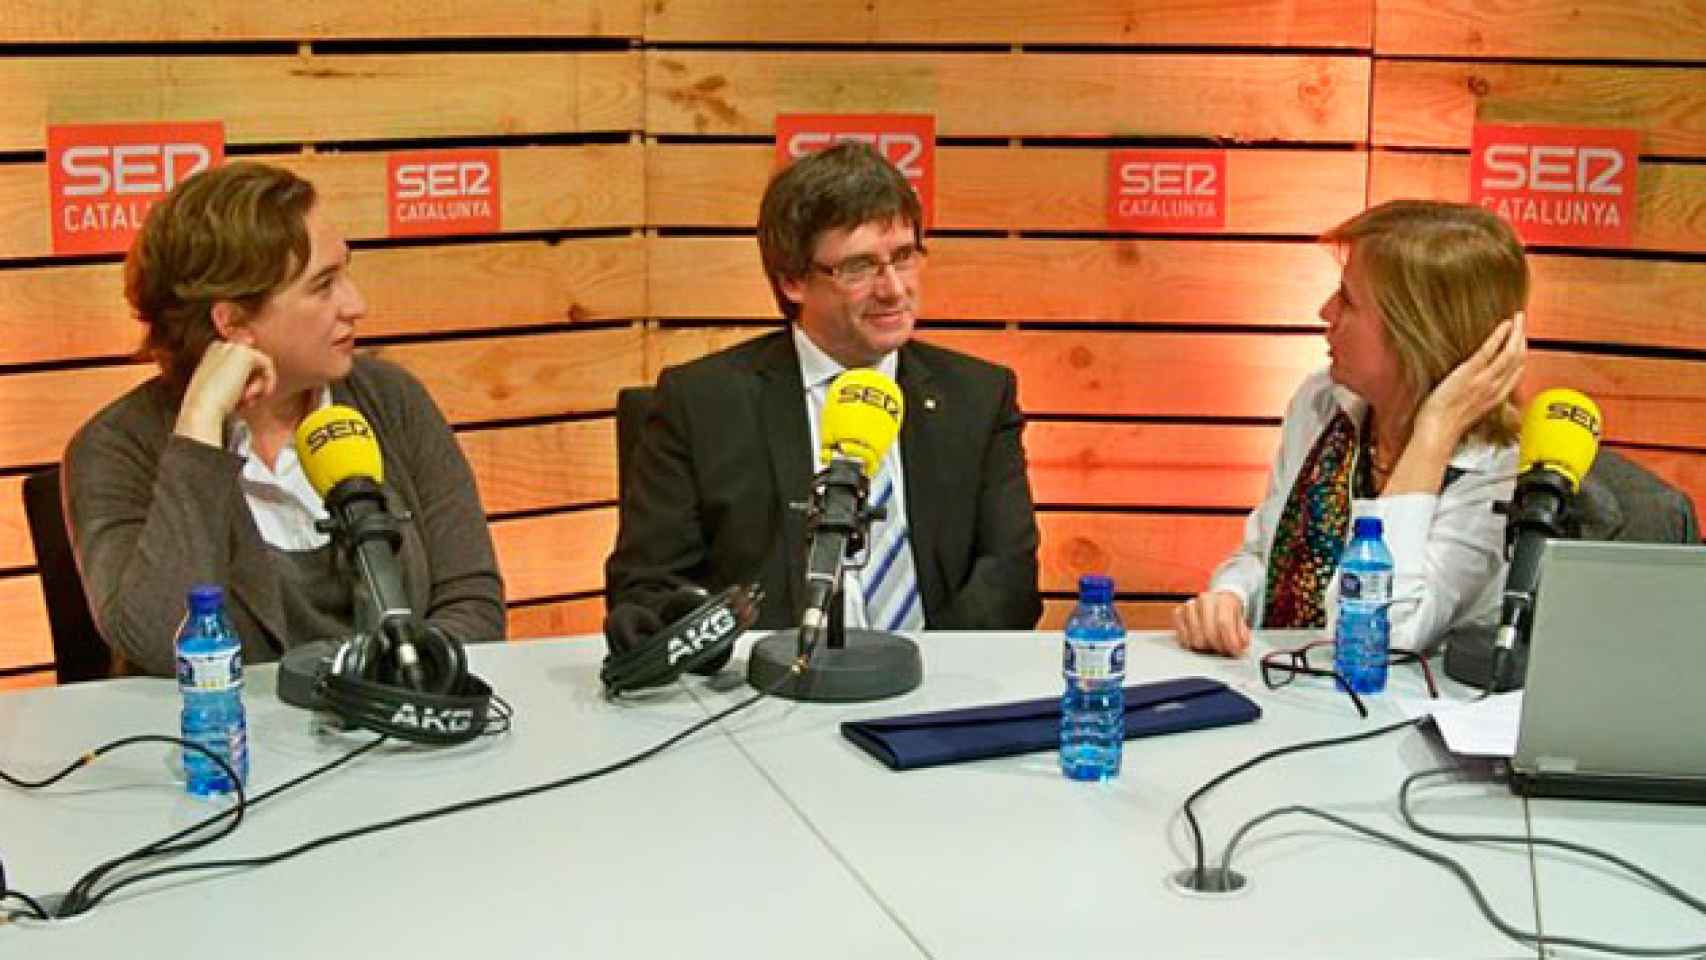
<point x="1447" y="548"/>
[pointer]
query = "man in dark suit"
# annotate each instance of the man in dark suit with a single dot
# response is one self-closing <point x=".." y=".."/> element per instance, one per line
<point x="731" y="438"/>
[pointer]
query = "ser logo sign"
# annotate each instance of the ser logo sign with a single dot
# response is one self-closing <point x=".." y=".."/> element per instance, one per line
<point x="1558" y="185"/>
<point x="1167" y="190"/>
<point x="907" y="140"/>
<point x="869" y="396"/>
<point x="336" y="430"/>
<point x="1572" y="413"/>
<point x="103" y="178"/>
<point x="438" y="192"/>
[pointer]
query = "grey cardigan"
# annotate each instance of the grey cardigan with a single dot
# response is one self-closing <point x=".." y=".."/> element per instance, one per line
<point x="152" y="513"/>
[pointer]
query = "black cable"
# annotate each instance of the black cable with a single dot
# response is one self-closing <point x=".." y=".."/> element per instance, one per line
<point x="797" y="667"/>
<point x="1468" y="879"/>
<point x="1191" y="819"/>
<point x="35" y="907"/>
<point x="76" y="898"/>
<point x="236" y="812"/>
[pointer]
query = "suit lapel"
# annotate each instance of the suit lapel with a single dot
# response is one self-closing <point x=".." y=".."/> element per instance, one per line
<point x="926" y="489"/>
<point x="787" y="439"/>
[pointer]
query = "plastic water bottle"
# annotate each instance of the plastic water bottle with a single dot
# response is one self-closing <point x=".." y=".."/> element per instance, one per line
<point x="1092" y="711"/>
<point x="210" y="679"/>
<point x="1363" y="635"/>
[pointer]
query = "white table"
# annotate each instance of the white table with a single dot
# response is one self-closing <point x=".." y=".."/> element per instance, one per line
<point x="774" y="836"/>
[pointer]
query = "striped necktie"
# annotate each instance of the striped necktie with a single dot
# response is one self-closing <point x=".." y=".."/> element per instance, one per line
<point x="889" y="580"/>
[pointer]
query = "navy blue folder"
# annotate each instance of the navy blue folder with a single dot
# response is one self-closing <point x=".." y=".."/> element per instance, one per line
<point x="1005" y="729"/>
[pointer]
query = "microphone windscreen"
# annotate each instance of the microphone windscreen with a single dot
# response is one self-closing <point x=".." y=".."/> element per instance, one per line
<point x="1560" y="430"/>
<point x="861" y="418"/>
<point x="335" y="443"/>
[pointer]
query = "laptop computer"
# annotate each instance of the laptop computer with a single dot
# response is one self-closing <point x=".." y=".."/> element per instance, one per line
<point x="1615" y="707"/>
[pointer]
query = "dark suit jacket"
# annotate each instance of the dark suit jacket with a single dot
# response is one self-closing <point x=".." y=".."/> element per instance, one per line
<point x="727" y="447"/>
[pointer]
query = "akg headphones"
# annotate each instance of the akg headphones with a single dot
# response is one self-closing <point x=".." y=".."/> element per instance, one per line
<point x="453" y="706"/>
<point x="699" y="636"/>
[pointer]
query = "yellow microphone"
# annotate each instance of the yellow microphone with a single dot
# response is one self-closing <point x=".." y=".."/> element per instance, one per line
<point x="1560" y="438"/>
<point x="340" y="455"/>
<point x="335" y="443"/>
<point x="1560" y="431"/>
<point x="861" y="418"/>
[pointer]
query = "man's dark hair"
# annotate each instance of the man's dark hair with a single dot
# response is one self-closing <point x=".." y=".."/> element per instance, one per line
<point x="841" y="188"/>
<point x="234" y="232"/>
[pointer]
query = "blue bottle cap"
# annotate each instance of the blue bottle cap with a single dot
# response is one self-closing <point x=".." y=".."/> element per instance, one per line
<point x="206" y="597"/>
<point x="1096" y="587"/>
<point x="1367" y="528"/>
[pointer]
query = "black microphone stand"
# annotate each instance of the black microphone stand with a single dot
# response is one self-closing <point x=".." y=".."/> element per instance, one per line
<point x="845" y="666"/>
<point x="1496" y="659"/>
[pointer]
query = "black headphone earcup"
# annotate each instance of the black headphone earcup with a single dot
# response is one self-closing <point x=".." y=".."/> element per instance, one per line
<point x="444" y="662"/>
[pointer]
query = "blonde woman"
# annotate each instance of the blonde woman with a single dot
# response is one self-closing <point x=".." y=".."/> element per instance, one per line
<point x="1412" y="422"/>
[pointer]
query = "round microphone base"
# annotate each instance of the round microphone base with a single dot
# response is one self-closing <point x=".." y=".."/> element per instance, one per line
<point x="1469" y="658"/>
<point x="873" y="665"/>
<point x="299" y="673"/>
<point x="1207" y="882"/>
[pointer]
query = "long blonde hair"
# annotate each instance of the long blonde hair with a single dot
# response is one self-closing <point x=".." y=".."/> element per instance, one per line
<point x="1444" y="275"/>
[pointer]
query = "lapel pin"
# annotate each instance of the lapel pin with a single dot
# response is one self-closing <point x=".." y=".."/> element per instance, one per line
<point x="929" y="403"/>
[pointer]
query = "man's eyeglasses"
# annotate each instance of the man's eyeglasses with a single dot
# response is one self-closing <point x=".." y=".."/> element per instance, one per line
<point x="1280" y="667"/>
<point x="861" y="270"/>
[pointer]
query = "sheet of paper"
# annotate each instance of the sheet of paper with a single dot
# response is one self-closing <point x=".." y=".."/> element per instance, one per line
<point x="1481" y="728"/>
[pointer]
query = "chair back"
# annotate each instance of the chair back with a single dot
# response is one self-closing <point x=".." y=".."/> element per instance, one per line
<point x="79" y="653"/>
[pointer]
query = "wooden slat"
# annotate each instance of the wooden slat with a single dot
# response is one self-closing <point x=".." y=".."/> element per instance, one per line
<point x="1579" y="29"/>
<point x="1269" y="191"/>
<point x="1670" y="199"/>
<point x="475" y="380"/>
<point x="1235" y="96"/>
<point x="409" y="290"/>
<point x="34" y="430"/>
<point x="543" y="188"/>
<point x="1147" y="374"/>
<point x="1647" y="303"/>
<point x="1642" y="400"/>
<point x="1125" y="281"/>
<point x="554" y="554"/>
<point x="1435" y="104"/>
<point x="539" y="467"/>
<point x="366" y="97"/>
<point x="26" y="681"/>
<point x="1124" y="373"/>
<point x="54" y="21"/>
<point x="1281" y="23"/>
<point x="565" y="618"/>
<point x="1135" y="614"/>
<point x="26" y="639"/>
<point x="16" y="549"/>
<point x="518" y="377"/>
<point x="1144" y="553"/>
<point x="1165" y="465"/>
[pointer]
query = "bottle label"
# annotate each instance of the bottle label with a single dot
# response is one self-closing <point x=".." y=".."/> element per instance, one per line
<point x="1368" y="585"/>
<point x="1094" y="661"/>
<point x="210" y="671"/>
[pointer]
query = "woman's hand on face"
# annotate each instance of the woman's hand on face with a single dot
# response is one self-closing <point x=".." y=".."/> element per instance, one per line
<point x="1477" y="386"/>
<point x="1212" y="622"/>
<point x="230" y="378"/>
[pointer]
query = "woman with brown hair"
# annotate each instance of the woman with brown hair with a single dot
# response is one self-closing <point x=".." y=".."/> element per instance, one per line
<point x="1412" y="422"/>
<point x="191" y="477"/>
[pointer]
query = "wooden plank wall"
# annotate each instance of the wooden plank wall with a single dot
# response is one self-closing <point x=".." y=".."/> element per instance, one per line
<point x="635" y="142"/>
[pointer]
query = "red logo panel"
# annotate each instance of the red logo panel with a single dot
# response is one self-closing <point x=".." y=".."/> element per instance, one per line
<point x="908" y="140"/>
<point x="104" y="177"/>
<point x="437" y="192"/>
<point x="1167" y="191"/>
<point x="1573" y="186"/>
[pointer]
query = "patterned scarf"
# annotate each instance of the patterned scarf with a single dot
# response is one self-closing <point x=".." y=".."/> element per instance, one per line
<point x="1311" y="531"/>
